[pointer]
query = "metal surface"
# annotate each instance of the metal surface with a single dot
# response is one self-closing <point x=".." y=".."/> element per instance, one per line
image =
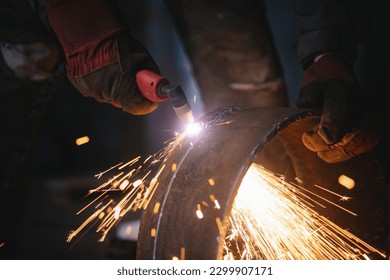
<point x="215" y="161"/>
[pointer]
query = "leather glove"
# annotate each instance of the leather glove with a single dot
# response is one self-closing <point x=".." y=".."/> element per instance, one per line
<point x="343" y="132"/>
<point x="102" y="58"/>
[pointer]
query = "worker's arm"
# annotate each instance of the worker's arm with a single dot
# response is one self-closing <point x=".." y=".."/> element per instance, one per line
<point x="330" y="33"/>
<point x="102" y="57"/>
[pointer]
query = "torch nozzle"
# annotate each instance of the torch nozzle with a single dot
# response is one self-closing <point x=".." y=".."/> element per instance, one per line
<point x="179" y="102"/>
<point x="157" y="89"/>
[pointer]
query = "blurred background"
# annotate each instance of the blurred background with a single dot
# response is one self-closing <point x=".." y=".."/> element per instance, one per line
<point x="64" y="171"/>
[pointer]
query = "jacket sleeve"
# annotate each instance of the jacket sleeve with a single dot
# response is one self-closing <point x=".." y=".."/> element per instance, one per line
<point x="335" y="26"/>
<point x="19" y="24"/>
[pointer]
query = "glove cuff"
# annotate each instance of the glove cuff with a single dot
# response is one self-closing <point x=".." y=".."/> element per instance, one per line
<point x="86" y="31"/>
<point x="328" y="66"/>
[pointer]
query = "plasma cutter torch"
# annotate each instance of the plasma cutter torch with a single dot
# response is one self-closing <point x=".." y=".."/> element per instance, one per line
<point x="158" y="89"/>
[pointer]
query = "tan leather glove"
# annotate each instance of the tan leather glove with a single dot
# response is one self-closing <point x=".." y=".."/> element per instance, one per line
<point x="344" y="131"/>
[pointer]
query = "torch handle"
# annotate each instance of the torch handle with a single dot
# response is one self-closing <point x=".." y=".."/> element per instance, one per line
<point x="150" y="83"/>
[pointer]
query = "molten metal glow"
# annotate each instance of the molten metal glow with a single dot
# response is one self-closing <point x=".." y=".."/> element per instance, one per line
<point x="193" y="128"/>
<point x="271" y="219"/>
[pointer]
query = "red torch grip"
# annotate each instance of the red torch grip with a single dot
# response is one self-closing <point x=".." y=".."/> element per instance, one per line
<point x="149" y="84"/>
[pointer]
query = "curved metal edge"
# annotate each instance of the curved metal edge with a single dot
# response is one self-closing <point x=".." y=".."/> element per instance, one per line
<point x="208" y="166"/>
<point x="221" y="153"/>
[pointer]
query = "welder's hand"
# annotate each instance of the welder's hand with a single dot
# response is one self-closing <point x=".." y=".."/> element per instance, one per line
<point x="343" y="132"/>
<point x="351" y="145"/>
<point x="102" y="58"/>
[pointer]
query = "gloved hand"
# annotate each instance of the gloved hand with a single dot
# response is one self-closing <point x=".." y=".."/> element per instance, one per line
<point x="343" y="132"/>
<point x="102" y="58"/>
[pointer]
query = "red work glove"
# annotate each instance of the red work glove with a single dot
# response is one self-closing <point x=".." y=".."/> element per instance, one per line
<point x="343" y="132"/>
<point x="101" y="56"/>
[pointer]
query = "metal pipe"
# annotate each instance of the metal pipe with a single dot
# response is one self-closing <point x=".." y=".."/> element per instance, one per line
<point x="214" y="163"/>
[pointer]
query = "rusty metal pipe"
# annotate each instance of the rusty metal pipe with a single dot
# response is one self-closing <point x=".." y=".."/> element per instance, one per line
<point x="216" y="160"/>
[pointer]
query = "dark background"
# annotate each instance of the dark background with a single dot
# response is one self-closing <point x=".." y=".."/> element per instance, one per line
<point x="64" y="172"/>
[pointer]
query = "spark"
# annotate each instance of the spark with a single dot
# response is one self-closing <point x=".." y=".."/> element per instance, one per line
<point x="82" y="140"/>
<point x="182" y="253"/>
<point x="101" y="215"/>
<point x="298" y="180"/>
<point x="86" y="222"/>
<point x="211" y="182"/>
<point x="346" y="181"/>
<point x="130" y="163"/>
<point x="156" y="208"/>
<point x="327" y="200"/>
<point x="100" y="174"/>
<point x="199" y="213"/>
<point x="204" y="203"/>
<point x="193" y="128"/>
<point x="270" y="220"/>
<point x="216" y="203"/>
<point x="124" y="185"/>
<point x="136" y="187"/>
<point x="137" y="183"/>
<point x="342" y="197"/>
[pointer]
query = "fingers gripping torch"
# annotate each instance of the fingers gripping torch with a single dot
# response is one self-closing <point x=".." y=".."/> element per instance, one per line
<point x="157" y="89"/>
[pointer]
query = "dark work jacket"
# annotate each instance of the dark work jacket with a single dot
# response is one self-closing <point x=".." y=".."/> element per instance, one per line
<point x="336" y="26"/>
<point x="19" y="23"/>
